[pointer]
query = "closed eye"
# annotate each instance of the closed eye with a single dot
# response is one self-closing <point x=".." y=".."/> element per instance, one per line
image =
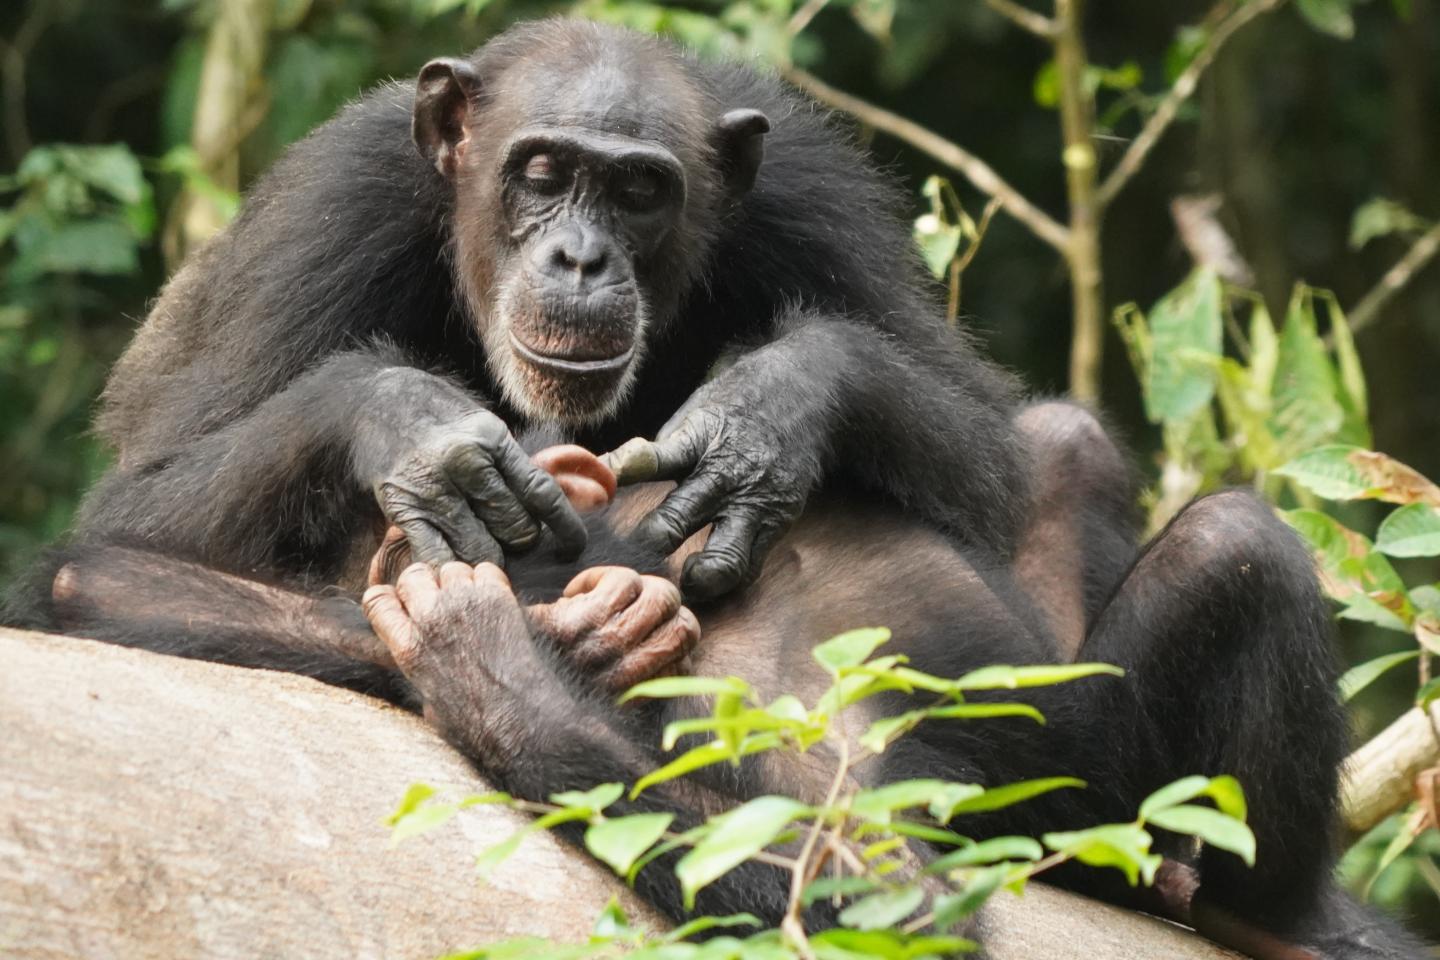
<point x="641" y="190"/>
<point x="542" y="173"/>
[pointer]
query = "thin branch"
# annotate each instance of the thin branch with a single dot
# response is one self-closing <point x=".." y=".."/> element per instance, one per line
<point x="952" y="155"/>
<point x="801" y="875"/>
<point x="1026" y="19"/>
<point x="804" y="15"/>
<point x="13" y="61"/>
<point x="1368" y="310"/>
<point x="1182" y="90"/>
<point x="1077" y="127"/>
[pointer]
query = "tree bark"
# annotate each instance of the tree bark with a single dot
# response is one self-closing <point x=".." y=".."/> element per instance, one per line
<point x="158" y="807"/>
<point x="1380" y="776"/>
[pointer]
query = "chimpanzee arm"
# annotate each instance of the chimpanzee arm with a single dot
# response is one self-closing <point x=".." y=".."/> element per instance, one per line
<point x="361" y="425"/>
<point x="914" y="418"/>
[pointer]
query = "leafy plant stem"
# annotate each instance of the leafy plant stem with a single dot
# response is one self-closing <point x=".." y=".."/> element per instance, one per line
<point x="804" y="871"/>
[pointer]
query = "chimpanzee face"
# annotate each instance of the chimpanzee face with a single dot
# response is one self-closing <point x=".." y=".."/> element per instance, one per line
<point x="586" y="213"/>
<point x="586" y="198"/>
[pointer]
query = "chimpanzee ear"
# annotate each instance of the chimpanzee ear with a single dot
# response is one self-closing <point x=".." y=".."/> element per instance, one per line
<point x="740" y="141"/>
<point x="442" y="98"/>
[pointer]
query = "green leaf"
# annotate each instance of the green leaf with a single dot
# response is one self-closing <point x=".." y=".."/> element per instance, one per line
<point x="702" y="756"/>
<point x="1306" y="396"/>
<point x="415" y="794"/>
<point x="621" y="840"/>
<point x="1381" y="217"/>
<point x="849" y="649"/>
<point x="886" y="730"/>
<point x="1264" y="350"/>
<point x="879" y="803"/>
<point x="1411" y="531"/>
<point x="1225" y="790"/>
<point x="1344" y="472"/>
<point x="926" y="832"/>
<point x="1428" y="694"/>
<point x="1186" y="328"/>
<point x="595" y="799"/>
<point x="702" y="924"/>
<point x="1354" y="394"/>
<point x="827" y="887"/>
<point x="1359" y="677"/>
<point x="611" y="923"/>
<point x="1188" y="42"/>
<point x="734" y="837"/>
<point x="1211" y="826"/>
<point x="789" y="708"/>
<point x="492" y="857"/>
<point x="882" y="909"/>
<point x="1329" y="16"/>
<point x="112" y="169"/>
<point x="951" y="909"/>
<point x="421" y="821"/>
<point x="485" y="799"/>
<point x="841" y="943"/>
<point x="938" y="241"/>
<point x="104" y="247"/>
<point x="1328" y="471"/>
<point x="985" y="711"/>
<point x="1124" y="846"/>
<point x="988" y="851"/>
<point x="669" y="688"/>
<point x="1000" y="677"/>
<point x="1008" y="795"/>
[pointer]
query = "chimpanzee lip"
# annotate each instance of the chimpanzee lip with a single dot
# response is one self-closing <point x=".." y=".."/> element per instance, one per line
<point x="563" y="364"/>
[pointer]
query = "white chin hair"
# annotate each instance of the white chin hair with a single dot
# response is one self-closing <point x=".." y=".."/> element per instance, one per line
<point x="543" y="406"/>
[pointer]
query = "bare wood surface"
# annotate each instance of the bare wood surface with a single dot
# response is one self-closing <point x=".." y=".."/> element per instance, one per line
<point x="1380" y="776"/>
<point x="152" y="807"/>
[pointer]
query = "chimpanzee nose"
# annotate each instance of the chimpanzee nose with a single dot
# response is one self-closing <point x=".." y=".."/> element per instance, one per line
<point x="579" y="256"/>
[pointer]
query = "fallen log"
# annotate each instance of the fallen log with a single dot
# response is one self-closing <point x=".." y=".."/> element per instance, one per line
<point x="158" y="807"/>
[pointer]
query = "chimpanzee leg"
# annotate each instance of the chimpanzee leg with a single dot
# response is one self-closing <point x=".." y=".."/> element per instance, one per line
<point x="166" y="605"/>
<point x="1226" y="642"/>
<point x="1081" y="524"/>
<point x="1225" y="639"/>
<point x="613" y="627"/>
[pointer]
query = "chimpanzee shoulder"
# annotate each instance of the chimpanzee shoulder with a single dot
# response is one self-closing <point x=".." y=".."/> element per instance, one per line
<point x="341" y="242"/>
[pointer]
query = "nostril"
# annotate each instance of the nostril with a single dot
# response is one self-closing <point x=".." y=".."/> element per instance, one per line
<point x="593" y="264"/>
<point x="560" y="257"/>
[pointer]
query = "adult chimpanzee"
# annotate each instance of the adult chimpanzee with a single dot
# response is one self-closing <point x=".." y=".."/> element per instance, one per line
<point x="586" y="228"/>
<point x="1218" y="622"/>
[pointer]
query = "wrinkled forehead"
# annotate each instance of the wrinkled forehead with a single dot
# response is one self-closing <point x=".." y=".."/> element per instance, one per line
<point x="651" y="101"/>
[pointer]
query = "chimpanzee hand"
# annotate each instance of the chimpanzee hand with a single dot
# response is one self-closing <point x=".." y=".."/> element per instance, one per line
<point x="465" y="489"/>
<point x="618" y="627"/>
<point x="739" y="468"/>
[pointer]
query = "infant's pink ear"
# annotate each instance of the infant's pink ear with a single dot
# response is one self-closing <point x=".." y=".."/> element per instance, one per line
<point x="586" y="481"/>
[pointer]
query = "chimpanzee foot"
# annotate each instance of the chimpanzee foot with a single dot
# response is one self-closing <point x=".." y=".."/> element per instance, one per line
<point x="442" y="618"/>
<point x="619" y="627"/>
<point x="459" y="635"/>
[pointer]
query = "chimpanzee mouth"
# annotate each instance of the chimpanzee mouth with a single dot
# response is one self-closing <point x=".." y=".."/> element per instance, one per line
<point x="572" y="365"/>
